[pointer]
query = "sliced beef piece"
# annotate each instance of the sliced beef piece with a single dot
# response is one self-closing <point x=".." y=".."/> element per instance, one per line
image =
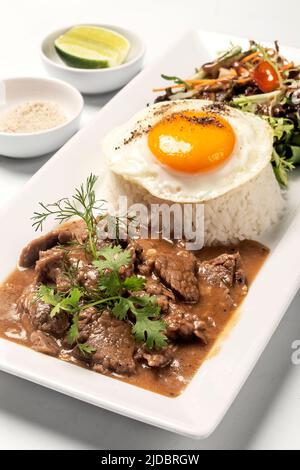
<point x="88" y="277"/>
<point x="78" y="256"/>
<point x="163" y="295"/>
<point x="87" y="318"/>
<point x="179" y="273"/>
<point x="44" y="343"/>
<point x="37" y="313"/>
<point x="78" y="230"/>
<point x="177" y="270"/>
<point x="111" y="338"/>
<point x="126" y="271"/>
<point x="163" y="303"/>
<point x="224" y="271"/>
<point x="26" y="322"/>
<point x="30" y="254"/>
<point x="48" y="262"/>
<point x="153" y="358"/>
<point x="103" y="243"/>
<point x="184" y="324"/>
<point x="145" y="254"/>
<point x="50" y="268"/>
<point x="155" y="287"/>
<point x="53" y="265"/>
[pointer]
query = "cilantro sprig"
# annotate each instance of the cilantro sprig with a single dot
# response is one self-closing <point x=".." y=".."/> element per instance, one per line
<point x="147" y="328"/>
<point x="112" y="258"/>
<point x="114" y="292"/>
<point x="70" y="303"/>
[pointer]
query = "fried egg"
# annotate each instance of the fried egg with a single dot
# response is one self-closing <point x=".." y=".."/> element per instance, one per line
<point x="189" y="150"/>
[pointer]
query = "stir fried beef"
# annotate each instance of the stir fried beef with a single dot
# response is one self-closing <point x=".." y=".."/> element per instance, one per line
<point x="153" y="358"/>
<point x="145" y="254"/>
<point x="174" y="277"/>
<point x="87" y="318"/>
<point x="49" y="268"/>
<point x="33" y="310"/>
<point x="154" y="287"/>
<point x="111" y="340"/>
<point x="44" y="343"/>
<point x="163" y="295"/>
<point x="223" y="271"/>
<point x="88" y="277"/>
<point x="184" y="324"/>
<point x="177" y="271"/>
<point x="53" y="266"/>
<point x="30" y="254"/>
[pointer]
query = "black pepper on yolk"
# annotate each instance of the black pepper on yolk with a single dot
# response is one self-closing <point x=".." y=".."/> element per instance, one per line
<point x="192" y="142"/>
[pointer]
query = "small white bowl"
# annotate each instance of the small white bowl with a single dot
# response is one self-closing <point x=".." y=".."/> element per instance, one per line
<point x="93" y="81"/>
<point x="17" y="91"/>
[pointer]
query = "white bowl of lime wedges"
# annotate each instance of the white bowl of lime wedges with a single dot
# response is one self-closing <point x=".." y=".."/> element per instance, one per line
<point x="95" y="58"/>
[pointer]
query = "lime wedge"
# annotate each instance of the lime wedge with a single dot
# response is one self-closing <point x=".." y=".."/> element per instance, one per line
<point x="92" y="47"/>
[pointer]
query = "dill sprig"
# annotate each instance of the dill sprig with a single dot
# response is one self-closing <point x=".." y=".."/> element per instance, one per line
<point x="82" y="204"/>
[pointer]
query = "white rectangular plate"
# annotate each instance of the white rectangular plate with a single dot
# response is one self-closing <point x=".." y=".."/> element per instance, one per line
<point x="198" y="411"/>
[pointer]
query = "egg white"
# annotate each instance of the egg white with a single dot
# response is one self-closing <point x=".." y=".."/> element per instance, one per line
<point x="128" y="154"/>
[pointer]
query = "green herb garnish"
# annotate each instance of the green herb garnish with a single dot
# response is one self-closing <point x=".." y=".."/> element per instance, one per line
<point x="66" y="302"/>
<point x="114" y="257"/>
<point x="69" y="303"/>
<point x="113" y="293"/>
<point x="286" y="133"/>
<point x="82" y="204"/>
<point x="147" y="327"/>
<point x="144" y="308"/>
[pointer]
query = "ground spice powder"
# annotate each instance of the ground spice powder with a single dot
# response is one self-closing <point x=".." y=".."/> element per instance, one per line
<point x="32" y="116"/>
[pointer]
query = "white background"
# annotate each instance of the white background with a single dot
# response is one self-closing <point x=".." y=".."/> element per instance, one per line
<point x="266" y="415"/>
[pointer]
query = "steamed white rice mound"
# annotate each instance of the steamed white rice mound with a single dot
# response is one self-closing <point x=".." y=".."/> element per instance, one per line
<point x="243" y="213"/>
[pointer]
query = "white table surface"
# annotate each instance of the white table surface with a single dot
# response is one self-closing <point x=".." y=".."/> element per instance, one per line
<point x="266" y="414"/>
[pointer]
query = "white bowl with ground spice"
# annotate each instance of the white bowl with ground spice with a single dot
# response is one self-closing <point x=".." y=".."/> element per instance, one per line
<point x="37" y="115"/>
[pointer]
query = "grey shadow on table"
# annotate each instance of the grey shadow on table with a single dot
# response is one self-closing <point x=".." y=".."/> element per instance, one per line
<point x="99" y="99"/>
<point x="26" y="166"/>
<point x="99" y="429"/>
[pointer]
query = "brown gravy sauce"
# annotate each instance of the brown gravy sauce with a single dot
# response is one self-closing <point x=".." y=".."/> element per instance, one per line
<point x="170" y="381"/>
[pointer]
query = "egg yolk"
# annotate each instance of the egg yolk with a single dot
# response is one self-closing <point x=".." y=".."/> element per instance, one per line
<point x="192" y="142"/>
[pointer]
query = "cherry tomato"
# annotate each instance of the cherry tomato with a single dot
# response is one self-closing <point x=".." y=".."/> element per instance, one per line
<point x="266" y="77"/>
